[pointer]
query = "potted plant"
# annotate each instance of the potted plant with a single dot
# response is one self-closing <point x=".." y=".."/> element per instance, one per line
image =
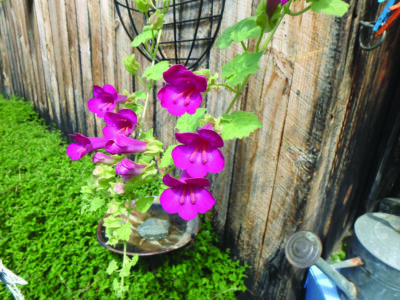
<point x="133" y="169"/>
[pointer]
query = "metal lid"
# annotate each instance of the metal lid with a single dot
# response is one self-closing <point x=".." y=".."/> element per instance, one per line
<point x="379" y="233"/>
<point x="303" y="249"/>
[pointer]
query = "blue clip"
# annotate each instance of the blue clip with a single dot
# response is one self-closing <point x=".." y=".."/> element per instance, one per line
<point x="384" y="15"/>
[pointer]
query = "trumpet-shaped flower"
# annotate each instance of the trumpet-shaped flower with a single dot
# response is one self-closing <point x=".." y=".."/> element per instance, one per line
<point x="105" y="99"/>
<point x="272" y="5"/>
<point x="182" y="93"/>
<point x="186" y="196"/>
<point x="84" y="145"/>
<point x="121" y="144"/>
<point x="102" y="158"/>
<point x="122" y="122"/>
<point x="199" y="153"/>
<point x="128" y="169"/>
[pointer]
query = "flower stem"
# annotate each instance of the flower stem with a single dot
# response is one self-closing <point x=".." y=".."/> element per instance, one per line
<point x="243" y="46"/>
<point x="297" y="13"/>
<point x="152" y="82"/>
<point x="259" y="40"/>
<point x="227" y="86"/>
<point x="238" y="92"/>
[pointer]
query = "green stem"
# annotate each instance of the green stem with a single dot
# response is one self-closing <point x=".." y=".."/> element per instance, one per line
<point x="297" y="13"/>
<point x="151" y="83"/>
<point x="227" y="86"/>
<point x="123" y="262"/>
<point x="140" y="81"/>
<point x="259" y="40"/>
<point x="238" y="92"/>
<point x="243" y="46"/>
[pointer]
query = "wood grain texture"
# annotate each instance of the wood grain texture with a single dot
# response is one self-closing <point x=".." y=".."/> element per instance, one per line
<point x="321" y="99"/>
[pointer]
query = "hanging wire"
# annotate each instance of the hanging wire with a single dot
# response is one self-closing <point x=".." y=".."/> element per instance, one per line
<point x="181" y="49"/>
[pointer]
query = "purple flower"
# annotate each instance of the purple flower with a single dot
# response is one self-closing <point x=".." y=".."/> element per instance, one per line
<point x="102" y="158"/>
<point x="199" y="153"/>
<point x="272" y="5"/>
<point x="186" y="196"/>
<point x="121" y="144"/>
<point x="128" y="169"/>
<point x="84" y="145"/>
<point x="182" y="93"/>
<point x="105" y="99"/>
<point x="123" y="122"/>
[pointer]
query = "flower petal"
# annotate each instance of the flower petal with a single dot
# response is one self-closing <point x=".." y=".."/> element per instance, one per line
<point x="97" y="90"/>
<point x="109" y="89"/>
<point x="97" y="143"/>
<point x="169" y="200"/>
<point x="212" y="137"/>
<point x="170" y="181"/>
<point x="76" y="151"/>
<point x="173" y="74"/>
<point x="186" y="137"/>
<point x="204" y="200"/>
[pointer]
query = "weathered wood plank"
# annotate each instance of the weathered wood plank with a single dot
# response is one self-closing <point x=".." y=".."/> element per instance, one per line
<point x="59" y="48"/>
<point x="5" y="76"/>
<point x="38" y="64"/>
<point x="96" y="51"/>
<point x="85" y="62"/>
<point x="46" y="46"/>
<point x="75" y="68"/>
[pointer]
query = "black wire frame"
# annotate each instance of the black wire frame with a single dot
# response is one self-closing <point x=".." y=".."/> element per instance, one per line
<point x="189" y="61"/>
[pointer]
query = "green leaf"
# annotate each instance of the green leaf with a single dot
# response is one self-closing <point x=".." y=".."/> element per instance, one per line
<point x="128" y="264"/>
<point x="124" y="232"/>
<point x="112" y="267"/>
<point x="131" y="64"/>
<point x="143" y="5"/>
<point x="142" y="38"/>
<point x="112" y="222"/>
<point x="330" y="7"/>
<point x="144" y="203"/>
<point x="96" y="203"/>
<point x="140" y="95"/>
<point x="167" y="158"/>
<point x="156" y="72"/>
<point x="240" y="67"/>
<point x="190" y="123"/>
<point x="157" y="20"/>
<point x="239" y="124"/>
<point x="243" y="30"/>
<point x="146" y="134"/>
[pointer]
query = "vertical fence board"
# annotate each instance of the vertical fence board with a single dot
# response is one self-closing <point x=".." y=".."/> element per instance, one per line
<point x="82" y="13"/>
<point x="78" y="105"/>
<point x="5" y="76"/>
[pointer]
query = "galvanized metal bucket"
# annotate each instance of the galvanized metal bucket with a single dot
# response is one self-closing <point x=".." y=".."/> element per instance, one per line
<point x="375" y="243"/>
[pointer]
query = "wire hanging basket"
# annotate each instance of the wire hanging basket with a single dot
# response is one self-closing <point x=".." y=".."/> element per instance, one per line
<point x="189" y="31"/>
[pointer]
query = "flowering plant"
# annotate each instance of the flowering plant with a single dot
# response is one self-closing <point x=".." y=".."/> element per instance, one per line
<point x="131" y="157"/>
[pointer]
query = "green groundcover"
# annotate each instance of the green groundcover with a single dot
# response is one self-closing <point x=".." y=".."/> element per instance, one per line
<point x="46" y="240"/>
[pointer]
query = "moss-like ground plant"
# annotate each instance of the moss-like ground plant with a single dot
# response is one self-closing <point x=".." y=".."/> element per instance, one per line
<point x="46" y="240"/>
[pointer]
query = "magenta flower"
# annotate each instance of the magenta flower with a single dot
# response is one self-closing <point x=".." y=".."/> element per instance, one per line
<point x="121" y="144"/>
<point x="102" y="158"/>
<point x="182" y="93"/>
<point x="273" y="4"/>
<point x="84" y="145"/>
<point x="123" y="122"/>
<point x="128" y="169"/>
<point x="105" y="99"/>
<point x="186" y="196"/>
<point x="199" y="153"/>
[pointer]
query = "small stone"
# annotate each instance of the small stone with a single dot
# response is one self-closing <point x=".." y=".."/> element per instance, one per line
<point x="154" y="229"/>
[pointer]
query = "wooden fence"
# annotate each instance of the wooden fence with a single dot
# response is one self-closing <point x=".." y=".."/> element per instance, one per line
<point x="322" y="101"/>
